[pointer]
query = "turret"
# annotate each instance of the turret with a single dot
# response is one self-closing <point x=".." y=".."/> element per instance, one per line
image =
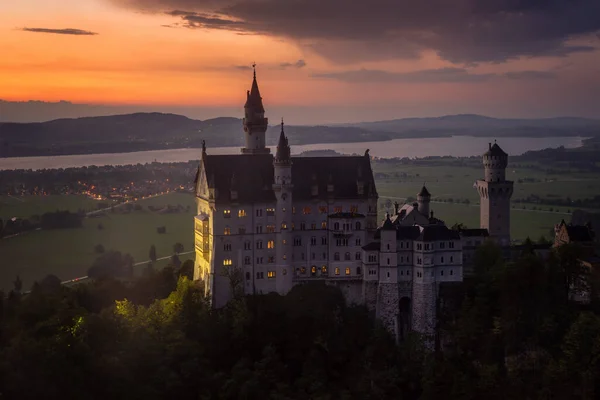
<point x="282" y="167"/>
<point x="423" y="200"/>
<point x="255" y="123"/>
<point x="495" y="161"/>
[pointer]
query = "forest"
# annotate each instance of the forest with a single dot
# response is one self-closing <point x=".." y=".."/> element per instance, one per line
<point x="508" y="331"/>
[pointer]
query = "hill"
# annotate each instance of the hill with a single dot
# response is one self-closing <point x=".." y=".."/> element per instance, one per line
<point x="158" y="131"/>
<point x="478" y="125"/>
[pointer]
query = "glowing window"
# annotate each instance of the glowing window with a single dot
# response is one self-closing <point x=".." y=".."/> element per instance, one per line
<point x="337" y="271"/>
<point x="227" y="261"/>
<point x="241" y="213"/>
<point x="270" y="274"/>
<point x="227" y="231"/>
<point x="324" y="269"/>
<point x="271" y="244"/>
<point x="227" y="213"/>
<point x="347" y="271"/>
<point x="306" y="210"/>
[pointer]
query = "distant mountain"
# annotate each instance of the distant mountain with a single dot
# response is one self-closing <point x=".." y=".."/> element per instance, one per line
<point x="478" y="125"/>
<point x="155" y="131"/>
<point x="152" y="131"/>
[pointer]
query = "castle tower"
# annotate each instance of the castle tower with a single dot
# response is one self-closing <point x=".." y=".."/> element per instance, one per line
<point x="255" y="123"/>
<point x="423" y="199"/>
<point x="388" y="289"/>
<point x="495" y="193"/>
<point x="282" y="187"/>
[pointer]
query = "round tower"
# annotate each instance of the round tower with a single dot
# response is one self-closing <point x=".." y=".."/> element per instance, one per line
<point x="423" y="200"/>
<point x="495" y="193"/>
<point x="495" y="161"/>
<point x="282" y="167"/>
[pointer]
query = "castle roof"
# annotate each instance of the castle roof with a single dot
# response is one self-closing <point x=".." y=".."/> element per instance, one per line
<point x="424" y="192"/>
<point x="254" y="175"/>
<point x="437" y="232"/>
<point x="283" y="148"/>
<point x="579" y="233"/>
<point x="388" y="225"/>
<point x="473" y="232"/>
<point x="373" y="246"/>
<point x="495" y="150"/>
<point x="253" y="98"/>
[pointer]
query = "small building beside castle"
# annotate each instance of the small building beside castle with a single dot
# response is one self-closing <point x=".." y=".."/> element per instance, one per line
<point x="266" y="223"/>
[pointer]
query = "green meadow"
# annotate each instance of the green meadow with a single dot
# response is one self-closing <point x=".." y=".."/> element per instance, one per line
<point x="68" y="253"/>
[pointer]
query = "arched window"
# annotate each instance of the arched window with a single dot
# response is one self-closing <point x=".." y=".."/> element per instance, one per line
<point x="347" y="257"/>
<point x="336" y="256"/>
<point x="324" y="269"/>
<point x="358" y="271"/>
<point x="357" y="256"/>
<point x="358" y="226"/>
<point x="313" y="270"/>
<point x="336" y="226"/>
<point x="247" y="276"/>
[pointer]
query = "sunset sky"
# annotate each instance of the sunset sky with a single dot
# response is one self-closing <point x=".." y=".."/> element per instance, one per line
<point x="318" y="60"/>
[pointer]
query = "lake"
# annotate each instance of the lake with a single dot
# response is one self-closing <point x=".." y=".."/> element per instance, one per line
<point x="457" y="146"/>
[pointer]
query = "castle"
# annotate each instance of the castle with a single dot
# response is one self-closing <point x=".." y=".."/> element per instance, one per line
<point x="266" y="223"/>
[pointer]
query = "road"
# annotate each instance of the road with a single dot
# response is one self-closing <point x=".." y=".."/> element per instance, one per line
<point x="84" y="278"/>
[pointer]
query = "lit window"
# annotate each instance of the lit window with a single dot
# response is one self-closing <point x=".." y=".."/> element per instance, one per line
<point x="284" y="257"/>
<point x="313" y="226"/>
<point x="270" y="274"/>
<point x="337" y="209"/>
<point x="303" y="270"/>
<point x="241" y="213"/>
<point x="284" y="241"/>
<point x="270" y="228"/>
<point x="347" y="271"/>
<point x="227" y="261"/>
<point x="354" y="209"/>
<point x="323" y="225"/>
<point x="283" y="225"/>
<point x="324" y="269"/>
<point x="313" y="270"/>
<point x="227" y="231"/>
<point x="306" y="210"/>
<point x="293" y="210"/>
<point x="337" y="271"/>
<point x="227" y="213"/>
<point x="271" y="244"/>
<point x="322" y="210"/>
<point x="270" y="211"/>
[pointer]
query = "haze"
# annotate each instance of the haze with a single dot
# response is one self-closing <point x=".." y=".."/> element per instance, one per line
<point x="319" y="61"/>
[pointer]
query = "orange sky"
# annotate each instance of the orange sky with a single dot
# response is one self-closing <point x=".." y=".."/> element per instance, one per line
<point x="133" y="60"/>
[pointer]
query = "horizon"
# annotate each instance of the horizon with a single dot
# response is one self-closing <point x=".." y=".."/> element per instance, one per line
<point x="210" y="114"/>
<point x="515" y="60"/>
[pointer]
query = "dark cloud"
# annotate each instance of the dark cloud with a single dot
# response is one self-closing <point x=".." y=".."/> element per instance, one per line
<point x="297" y="64"/>
<point x="242" y="67"/>
<point x="440" y="75"/>
<point x="68" y="31"/>
<point x="461" y="31"/>
<point x="530" y="75"/>
<point x="206" y="21"/>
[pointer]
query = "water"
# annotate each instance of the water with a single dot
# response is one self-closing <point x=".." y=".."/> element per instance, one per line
<point x="457" y="146"/>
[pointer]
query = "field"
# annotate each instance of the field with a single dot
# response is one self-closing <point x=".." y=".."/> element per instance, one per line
<point x="25" y="207"/>
<point x="396" y="182"/>
<point x="69" y="253"/>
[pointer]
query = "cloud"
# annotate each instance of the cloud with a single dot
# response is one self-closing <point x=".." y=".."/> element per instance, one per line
<point x="530" y="75"/>
<point x="440" y="75"/>
<point x="67" y="31"/>
<point x="298" y="64"/>
<point x="462" y="31"/>
<point x="242" y="67"/>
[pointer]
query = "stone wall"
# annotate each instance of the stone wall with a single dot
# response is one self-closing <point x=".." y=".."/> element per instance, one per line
<point x="424" y="300"/>
<point x="369" y="293"/>
<point x="387" y="306"/>
<point x="352" y="290"/>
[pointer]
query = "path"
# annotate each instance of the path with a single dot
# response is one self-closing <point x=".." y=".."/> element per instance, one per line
<point x="83" y="278"/>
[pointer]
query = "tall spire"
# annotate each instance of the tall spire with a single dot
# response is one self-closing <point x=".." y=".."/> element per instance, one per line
<point x="254" y="100"/>
<point x="283" y="148"/>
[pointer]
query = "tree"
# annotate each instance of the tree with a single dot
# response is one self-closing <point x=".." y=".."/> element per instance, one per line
<point x="18" y="284"/>
<point x="152" y="254"/>
<point x="187" y="270"/>
<point x="175" y="261"/>
<point x="178" y="248"/>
